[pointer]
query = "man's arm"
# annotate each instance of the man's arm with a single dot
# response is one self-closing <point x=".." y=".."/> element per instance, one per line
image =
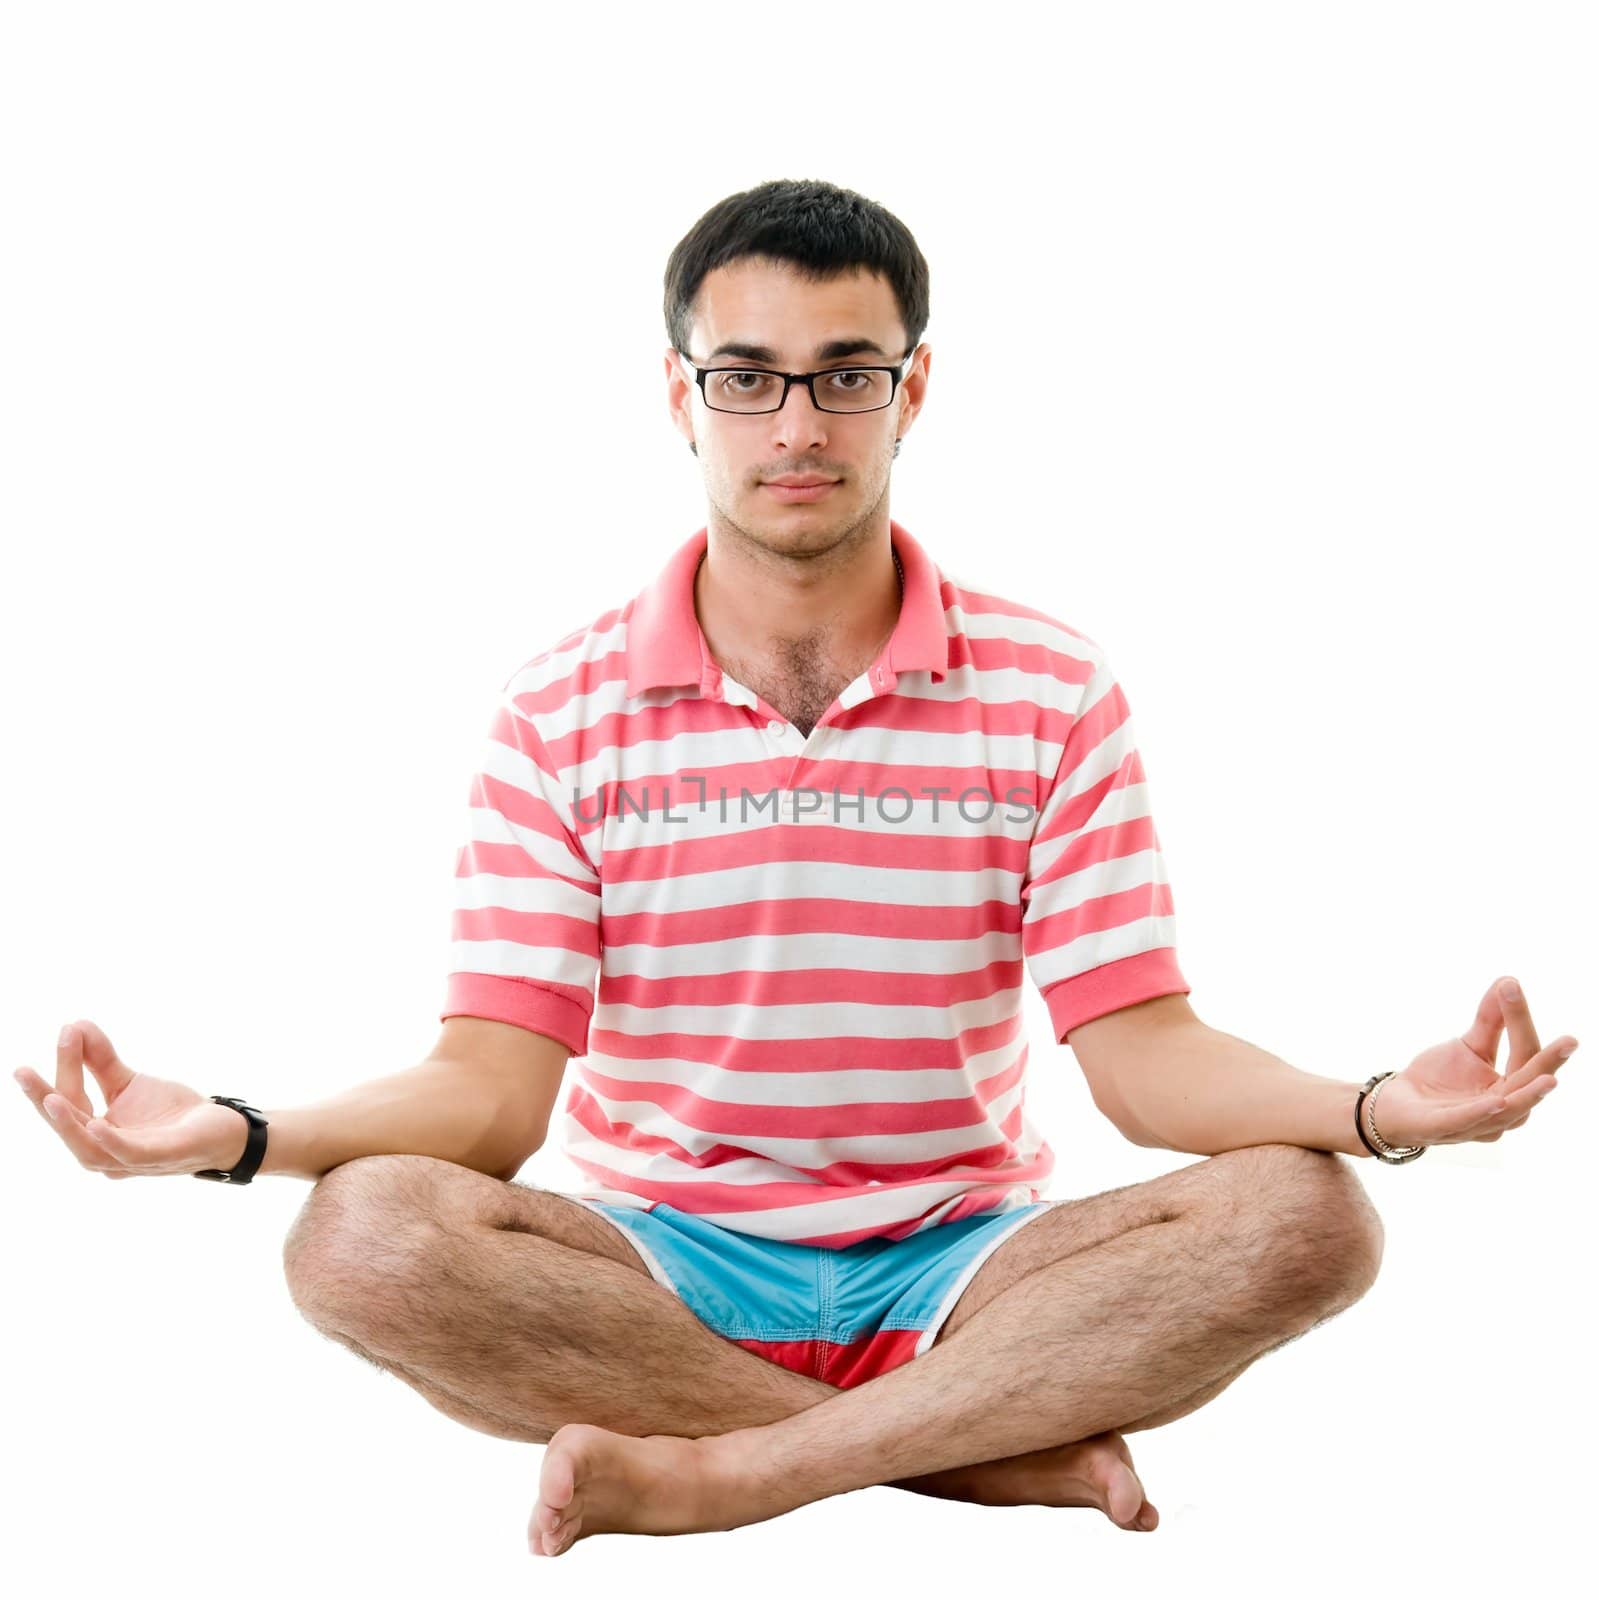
<point x="481" y="1099"/>
<point x="1172" y="1082"/>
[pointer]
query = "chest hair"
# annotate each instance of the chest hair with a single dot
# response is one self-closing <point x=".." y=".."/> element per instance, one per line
<point x="799" y="677"/>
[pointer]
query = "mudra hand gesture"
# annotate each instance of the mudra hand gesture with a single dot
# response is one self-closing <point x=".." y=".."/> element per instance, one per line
<point x="1451" y="1093"/>
<point x="150" y="1126"/>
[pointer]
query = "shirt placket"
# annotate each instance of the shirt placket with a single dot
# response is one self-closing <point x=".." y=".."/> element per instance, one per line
<point x="792" y="749"/>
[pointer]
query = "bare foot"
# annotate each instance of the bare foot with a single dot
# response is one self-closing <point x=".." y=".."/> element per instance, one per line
<point x="596" y="1481"/>
<point x="1096" y="1471"/>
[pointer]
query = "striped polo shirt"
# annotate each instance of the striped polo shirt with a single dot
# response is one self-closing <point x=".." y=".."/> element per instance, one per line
<point x="790" y="968"/>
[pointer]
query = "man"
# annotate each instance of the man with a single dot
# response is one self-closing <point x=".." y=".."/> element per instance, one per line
<point x="811" y="1253"/>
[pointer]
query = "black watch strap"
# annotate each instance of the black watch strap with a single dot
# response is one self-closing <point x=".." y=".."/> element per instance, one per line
<point x="254" y="1145"/>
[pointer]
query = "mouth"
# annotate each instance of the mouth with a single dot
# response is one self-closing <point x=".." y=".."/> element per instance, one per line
<point x="798" y="491"/>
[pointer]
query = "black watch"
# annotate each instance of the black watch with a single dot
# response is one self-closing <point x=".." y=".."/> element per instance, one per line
<point x="254" y="1145"/>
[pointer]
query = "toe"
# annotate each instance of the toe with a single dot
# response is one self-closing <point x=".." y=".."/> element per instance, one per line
<point x="557" y="1479"/>
<point x="1124" y="1496"/>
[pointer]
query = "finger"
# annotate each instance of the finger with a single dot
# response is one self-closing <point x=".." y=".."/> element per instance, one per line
<point x="1486" y="1027"/>
<point x="70" y="1123"/>
<point x="1546" y="1062"/>
<point x="34" y="1087"/>
<point x="1517" y="1108"/>
<point x="1465" y="1119"/>
<point x="69" y="1068"/>
<point x="110" y="1071"/>
<point x="37" y="1089"/>
<point x="1470" y="1118"/>
<point x="1518" y="1021"/>
<point x="102" y="1139"/>
<point x="1518" y="1122"/>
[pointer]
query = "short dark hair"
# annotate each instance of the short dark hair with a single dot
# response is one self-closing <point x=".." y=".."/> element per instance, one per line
<point x="821" y="230"/>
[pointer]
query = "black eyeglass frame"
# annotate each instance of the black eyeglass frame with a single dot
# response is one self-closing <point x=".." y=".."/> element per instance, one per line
<point x="896" y="377"/>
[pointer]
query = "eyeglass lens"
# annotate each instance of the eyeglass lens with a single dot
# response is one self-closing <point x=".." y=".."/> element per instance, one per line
<point x="845" y="389"/>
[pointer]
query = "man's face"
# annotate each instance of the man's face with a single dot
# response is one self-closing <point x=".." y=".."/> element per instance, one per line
<point x="755" y="305"/>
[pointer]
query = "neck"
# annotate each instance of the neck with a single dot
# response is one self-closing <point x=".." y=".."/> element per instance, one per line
<point x="754" y="600"/>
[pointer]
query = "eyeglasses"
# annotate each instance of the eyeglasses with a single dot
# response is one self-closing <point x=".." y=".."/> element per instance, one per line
<point x="748" y="389"/>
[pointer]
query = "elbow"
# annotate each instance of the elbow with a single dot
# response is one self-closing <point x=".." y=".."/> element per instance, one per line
<point x="508" y="1172"/>
<point x="1114" y="1108"/>
<point x="1142" y="1137"/>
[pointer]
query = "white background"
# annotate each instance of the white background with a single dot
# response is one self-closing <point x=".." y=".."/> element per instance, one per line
<point x="1264" y="350"/>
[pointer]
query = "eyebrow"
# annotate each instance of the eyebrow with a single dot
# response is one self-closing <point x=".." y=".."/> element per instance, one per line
<point x="830" y="351"/>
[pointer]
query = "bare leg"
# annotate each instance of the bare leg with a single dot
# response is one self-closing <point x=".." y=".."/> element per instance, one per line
<point x="537" y="1313"/>
<point x="526" y="1308"/>
<point x="1110" y="1334"/>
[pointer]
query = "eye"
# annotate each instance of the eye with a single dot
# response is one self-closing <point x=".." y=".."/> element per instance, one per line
<point x="862" y="380"/>
<point x="730" y="382"/>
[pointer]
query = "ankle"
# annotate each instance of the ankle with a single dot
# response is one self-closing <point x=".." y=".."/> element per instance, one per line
<point x="734" y="1473"/>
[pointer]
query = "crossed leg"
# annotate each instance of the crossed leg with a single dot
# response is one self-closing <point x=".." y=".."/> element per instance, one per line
<point x="1123" y="1310"/>
<point x="1212" y="1276"/>
<point x="504" y="1269"/>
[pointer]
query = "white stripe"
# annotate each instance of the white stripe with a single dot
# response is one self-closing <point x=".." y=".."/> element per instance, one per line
<point x="827" y="1086"/>
<point x="1095" y="949"/>
<point x="837" y="1019"/>
<point x="793" y="1154"/>
<point x="811" y="880"/>
<point x="504" y="958"/>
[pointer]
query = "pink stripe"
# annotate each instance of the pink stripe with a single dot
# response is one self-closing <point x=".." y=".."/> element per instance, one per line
<point x="735" y="1118"/>
<point x="664" y="929"/>
<point x="817" y="986"/>
<point x="821" y="1053"/>
<point x="1003" y="712"/>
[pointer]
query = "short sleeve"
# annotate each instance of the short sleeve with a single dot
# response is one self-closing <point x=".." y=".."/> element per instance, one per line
<point x="525" y="926"/>
<point x="1098" y="931"/>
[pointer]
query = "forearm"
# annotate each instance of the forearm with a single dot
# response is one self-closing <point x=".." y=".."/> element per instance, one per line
<point x="1203" y="1091"/>
<point x="436" y="1109"/>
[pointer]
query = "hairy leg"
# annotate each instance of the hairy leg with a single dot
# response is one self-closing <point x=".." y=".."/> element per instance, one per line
<point x="1216" y="1273"/>
<point x="1076" y="1225"/>
<point x="465" y="1288"/>
<point x="513" y="1310"/>
<point x="1231" y="1258"/>
<point x="523" y="1306"/>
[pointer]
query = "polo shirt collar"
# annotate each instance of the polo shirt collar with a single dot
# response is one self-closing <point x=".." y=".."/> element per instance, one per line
<point x="666" y="646"/>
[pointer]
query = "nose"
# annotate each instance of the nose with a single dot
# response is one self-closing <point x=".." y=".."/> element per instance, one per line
<point x="798" y="425"/>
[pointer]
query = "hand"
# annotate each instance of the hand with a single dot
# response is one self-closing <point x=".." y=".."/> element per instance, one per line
<point x="1451" y="1094"/>
<point x="151" y="1127"/>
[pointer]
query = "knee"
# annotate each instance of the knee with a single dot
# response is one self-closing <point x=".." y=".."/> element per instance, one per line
<point x="359" y="1230"/>
<point x="1322" y="1233"/>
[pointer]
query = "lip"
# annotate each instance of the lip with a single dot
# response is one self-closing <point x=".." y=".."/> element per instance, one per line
<point x="799" y="491"/>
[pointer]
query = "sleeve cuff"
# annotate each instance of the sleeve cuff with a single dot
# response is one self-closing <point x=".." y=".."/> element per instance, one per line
<point x="1102" y="989"/>
<point x="519" y="1001"/>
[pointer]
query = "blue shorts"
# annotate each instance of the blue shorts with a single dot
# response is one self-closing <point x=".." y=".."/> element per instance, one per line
<point x="842" y="1315"/>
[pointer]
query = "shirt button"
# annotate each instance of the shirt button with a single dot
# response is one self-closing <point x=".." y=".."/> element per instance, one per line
<point x="774" y="727"/>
